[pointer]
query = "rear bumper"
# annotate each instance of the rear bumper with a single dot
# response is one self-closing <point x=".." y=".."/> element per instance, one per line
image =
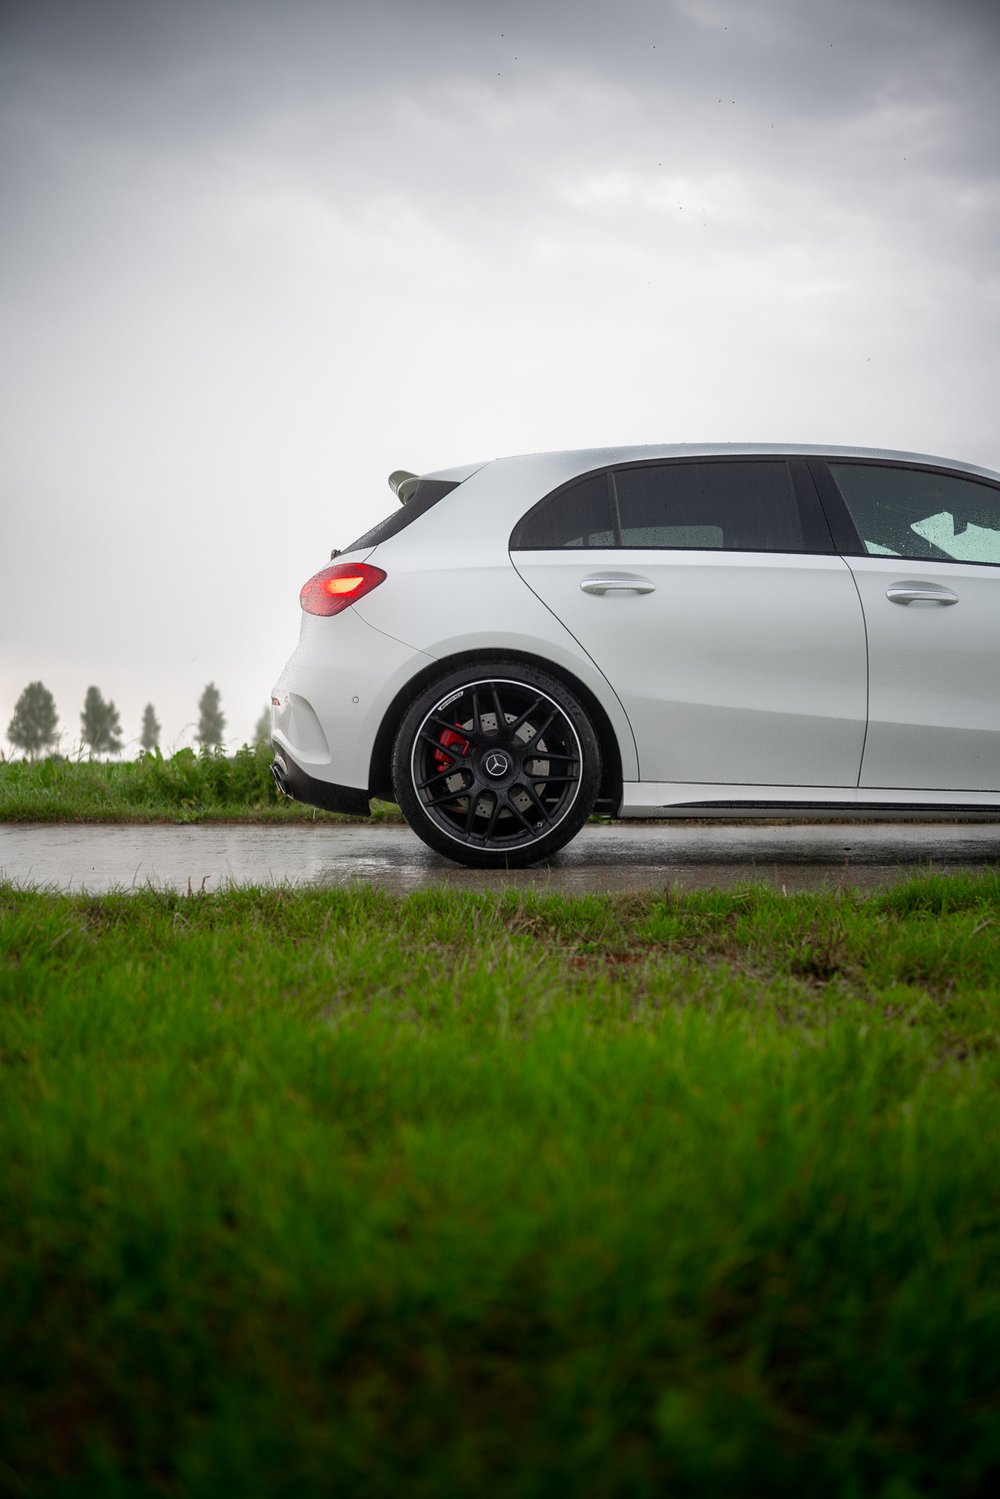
<point x="297" y="783"/>
<point x="329" y="704"/>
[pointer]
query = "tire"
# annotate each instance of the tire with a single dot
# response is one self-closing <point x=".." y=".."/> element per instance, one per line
<point x="496" y="765"/>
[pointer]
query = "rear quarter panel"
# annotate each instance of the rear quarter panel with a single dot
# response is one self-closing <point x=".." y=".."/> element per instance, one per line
<point x="449" y="605"/>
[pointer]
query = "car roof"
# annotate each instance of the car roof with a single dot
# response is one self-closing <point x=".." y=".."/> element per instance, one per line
<point x="501" y="490"/>
<point x="574" y="461"/>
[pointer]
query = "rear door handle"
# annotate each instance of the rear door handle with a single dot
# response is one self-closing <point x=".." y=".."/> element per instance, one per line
<point x="602" y="583"/>
<point x="920" y="593"/>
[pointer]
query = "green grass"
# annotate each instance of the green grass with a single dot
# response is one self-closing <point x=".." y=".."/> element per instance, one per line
<point x="335" y="1193"/>
<point x="184" y="787"/>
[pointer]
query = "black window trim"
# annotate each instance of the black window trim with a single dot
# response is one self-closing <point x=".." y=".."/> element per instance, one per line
<point x="806" y="493"/>
<point x="616" y="515"/>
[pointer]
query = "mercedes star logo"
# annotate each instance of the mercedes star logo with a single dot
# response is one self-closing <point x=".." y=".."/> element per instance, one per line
<point x="496" y="763"/>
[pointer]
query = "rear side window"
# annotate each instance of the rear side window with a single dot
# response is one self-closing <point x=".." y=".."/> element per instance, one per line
<point x="920" y="513"/>
<point x="578" y="516"/>
<point x="730" y="505"/>
<point x="425" y="494"/>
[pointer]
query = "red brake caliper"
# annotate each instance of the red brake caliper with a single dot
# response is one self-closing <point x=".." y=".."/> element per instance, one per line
<point x="446" y="738"/>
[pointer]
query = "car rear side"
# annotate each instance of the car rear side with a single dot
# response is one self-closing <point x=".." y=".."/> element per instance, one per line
<point x="649" y="631"/>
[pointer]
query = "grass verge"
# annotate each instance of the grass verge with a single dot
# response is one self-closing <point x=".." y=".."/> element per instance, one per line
<point x="184" y="787"/>
<point x="332" y="1192"/>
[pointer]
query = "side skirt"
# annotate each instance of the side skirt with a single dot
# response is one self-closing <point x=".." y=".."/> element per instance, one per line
<point x="661" y="799"/>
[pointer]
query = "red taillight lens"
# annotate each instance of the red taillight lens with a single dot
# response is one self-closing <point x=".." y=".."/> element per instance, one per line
<point x="331" y="590"/>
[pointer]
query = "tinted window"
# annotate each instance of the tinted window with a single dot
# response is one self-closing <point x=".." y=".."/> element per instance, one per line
<point x="425" y="494"/>
<point x="579" y="516"/>
<point x="909" y="512"/>
<point x="735" y="506"/>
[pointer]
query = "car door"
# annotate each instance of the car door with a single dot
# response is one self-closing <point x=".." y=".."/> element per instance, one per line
<point x="929" y="581"/>
<point x="709" y="595"/>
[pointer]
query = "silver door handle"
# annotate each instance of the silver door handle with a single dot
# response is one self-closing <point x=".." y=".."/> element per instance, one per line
<point x="617" y="583"/>
<point x="920" y="593"/>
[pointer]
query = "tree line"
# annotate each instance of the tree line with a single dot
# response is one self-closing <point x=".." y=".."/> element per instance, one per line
<point x="34" y="728"/>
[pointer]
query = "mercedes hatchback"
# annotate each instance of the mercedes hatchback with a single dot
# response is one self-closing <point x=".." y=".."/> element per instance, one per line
<point x="652" y="632"/>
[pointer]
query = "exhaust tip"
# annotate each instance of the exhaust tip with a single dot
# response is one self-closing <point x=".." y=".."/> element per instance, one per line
<point x="279" y="771"/>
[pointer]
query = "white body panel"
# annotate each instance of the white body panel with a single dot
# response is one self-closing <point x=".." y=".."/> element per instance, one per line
<point x="482" y="608"/>
<point x="348" y="669"/>
<point x="935" y="676"/>
<point x="738" y="667"/>
<point x="334" y="693"/>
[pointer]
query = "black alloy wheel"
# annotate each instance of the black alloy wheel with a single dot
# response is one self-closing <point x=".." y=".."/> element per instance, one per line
<point x="496" y="766"/>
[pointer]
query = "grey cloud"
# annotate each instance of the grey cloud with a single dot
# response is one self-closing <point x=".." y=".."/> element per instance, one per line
<point x="479" y="112"/>
<point x="204" y="69"/>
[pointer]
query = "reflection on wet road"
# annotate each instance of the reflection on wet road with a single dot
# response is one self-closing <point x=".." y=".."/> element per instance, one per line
<point x="635" y="856"/>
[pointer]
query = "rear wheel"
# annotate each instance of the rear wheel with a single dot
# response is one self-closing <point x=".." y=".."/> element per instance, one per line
<point x="496" y="766"/>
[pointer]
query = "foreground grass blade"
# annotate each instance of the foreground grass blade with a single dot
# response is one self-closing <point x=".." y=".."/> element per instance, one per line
<point x="329" y="1192"/>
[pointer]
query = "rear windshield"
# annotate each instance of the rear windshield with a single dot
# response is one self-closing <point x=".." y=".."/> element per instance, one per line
<point x="426" y="493"/>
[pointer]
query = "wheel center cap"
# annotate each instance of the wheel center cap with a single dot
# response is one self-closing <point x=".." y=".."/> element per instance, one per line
<point x="496" y="764"/>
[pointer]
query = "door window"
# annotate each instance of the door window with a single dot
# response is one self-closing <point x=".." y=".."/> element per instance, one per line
<point x="920" y="513"/>
<point x="734" y="507"/>
<point x="728" y="505"/>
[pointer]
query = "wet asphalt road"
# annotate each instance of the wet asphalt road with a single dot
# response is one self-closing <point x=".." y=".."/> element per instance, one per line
<point x="632" y="856"/>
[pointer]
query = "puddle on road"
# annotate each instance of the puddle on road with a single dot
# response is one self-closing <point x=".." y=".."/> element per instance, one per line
<point x="623" y="857"/>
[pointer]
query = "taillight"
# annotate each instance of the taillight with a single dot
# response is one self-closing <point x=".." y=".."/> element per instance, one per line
<point x="331" y="590"/>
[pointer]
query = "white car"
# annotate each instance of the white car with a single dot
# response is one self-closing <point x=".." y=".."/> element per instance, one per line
<point x="654" y="631"/>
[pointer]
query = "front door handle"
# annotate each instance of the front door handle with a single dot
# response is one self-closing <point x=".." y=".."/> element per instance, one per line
<point x="602" y="583"/>
<point x="920" y="593"/>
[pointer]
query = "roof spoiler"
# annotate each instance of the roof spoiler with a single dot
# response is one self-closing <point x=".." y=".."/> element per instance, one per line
<point x="403" y="483"/>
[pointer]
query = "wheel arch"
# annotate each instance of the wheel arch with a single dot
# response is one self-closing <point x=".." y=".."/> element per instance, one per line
<point x="609" y="795"/>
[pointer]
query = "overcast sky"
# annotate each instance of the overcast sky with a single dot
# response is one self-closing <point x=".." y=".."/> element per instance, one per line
<point x="257" y="253"/>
